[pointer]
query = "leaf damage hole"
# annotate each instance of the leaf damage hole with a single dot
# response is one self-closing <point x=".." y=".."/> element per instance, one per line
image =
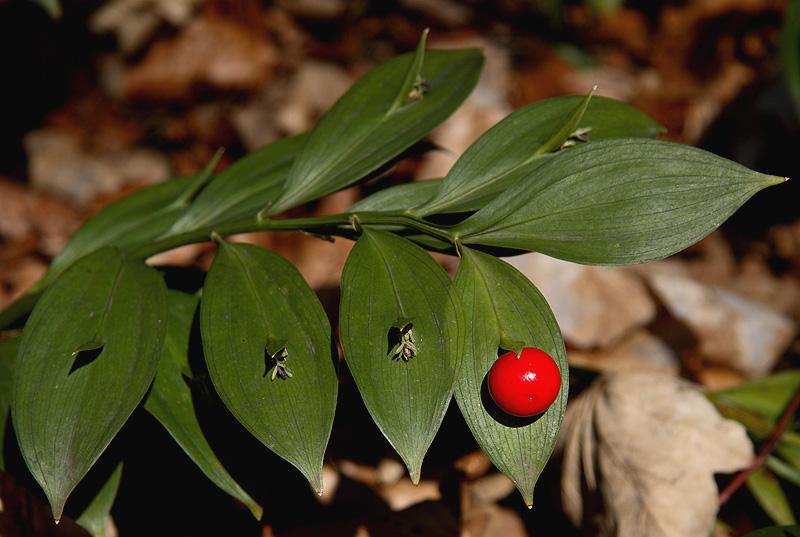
<point x="85" y="357"/>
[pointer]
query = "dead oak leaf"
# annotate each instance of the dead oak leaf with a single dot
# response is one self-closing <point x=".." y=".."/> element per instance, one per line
<point x="640" y="451"/>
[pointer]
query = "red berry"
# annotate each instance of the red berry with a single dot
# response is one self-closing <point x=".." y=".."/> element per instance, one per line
<point x="524" y="385"/>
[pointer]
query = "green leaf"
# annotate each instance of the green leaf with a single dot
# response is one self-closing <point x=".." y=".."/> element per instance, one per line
<point x="789" y="450"/>
<point x="199" y="181"/>
<point x="505" y="305"/>
<point x="383" y="114"/>
<point x="244" y="187"/>
<point x="252" y="300"/>
<point x="783" y="469"/>
<point x="67" y="407"/>
<point x="93" y="518"/>
<point x="616" y="202"/>
<point x="398" y="198"/>
<point x="387" y="280"/>
<point x="767" y="397"/>
<point x="508" y="151"/>
<point x="131" y="221"/>
<point x="770" y="496"/>
<point x="776" y="531"/>
<point x="524" y="140"/>
<point x="170" y="400"/>
<point x="8" y="349"/>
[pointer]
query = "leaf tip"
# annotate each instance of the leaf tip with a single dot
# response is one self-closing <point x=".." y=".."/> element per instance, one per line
<point x="315" y="480"/>
<point x="217" y="238"/>
<point x="527" y="497"/>
<point x="414" y="474"/>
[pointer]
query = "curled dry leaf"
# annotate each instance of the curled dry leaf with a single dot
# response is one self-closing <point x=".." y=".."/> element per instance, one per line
<point x="639" y="455"/>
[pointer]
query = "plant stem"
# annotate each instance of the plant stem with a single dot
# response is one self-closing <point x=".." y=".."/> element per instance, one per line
<point x="337" y="224"/>
<point x="766" y="449"/>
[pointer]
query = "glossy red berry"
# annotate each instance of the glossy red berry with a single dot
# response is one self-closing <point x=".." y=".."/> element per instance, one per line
<point x="524" y="385"/>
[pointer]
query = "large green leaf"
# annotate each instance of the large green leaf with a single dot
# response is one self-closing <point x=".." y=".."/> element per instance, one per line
<point x="616" y="202"/>
<point x="256" y="306"/>
<point x="86" y="358"/>
<point x="525" y="140"/>
<point x="244" y="187"/>
<point x="384" y="113"/>
<point x="170" y="400"/>
<point x="390" y="285"/>
<point x="506" y="310"/>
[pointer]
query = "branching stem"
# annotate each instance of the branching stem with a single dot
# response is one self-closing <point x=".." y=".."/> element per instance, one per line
<point x="338" y="224"/>
<point x="766" y="449"/>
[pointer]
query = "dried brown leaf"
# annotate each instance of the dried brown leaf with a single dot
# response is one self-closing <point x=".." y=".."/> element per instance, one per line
<point x="639" y="455"/>
<point x="209" y="52"/>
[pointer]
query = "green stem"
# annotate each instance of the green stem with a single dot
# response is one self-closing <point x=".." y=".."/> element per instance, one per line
<point x="337" y="224"/>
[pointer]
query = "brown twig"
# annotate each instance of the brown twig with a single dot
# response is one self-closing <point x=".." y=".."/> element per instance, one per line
<point x="766" y="449"/>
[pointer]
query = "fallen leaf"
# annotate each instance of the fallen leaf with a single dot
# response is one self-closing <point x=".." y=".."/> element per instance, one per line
<point x="731" y="329"/>
<point x="596" y="307"/>
<point x="210" y="52"/>
<point x="58" y="165"/>
<point x="641" y="350"/>
<point x="133" y="22"/>
<point x="640" y="451"/>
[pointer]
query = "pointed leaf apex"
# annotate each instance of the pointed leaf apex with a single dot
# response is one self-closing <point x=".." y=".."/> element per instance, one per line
<point x="414" y="474"/>
<point x="315" y="480"/>
<point x="57" y="508"/>
<point x="527" y="497"/>
<point x="217" y="238"/>
<point x="423" y="39"/>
